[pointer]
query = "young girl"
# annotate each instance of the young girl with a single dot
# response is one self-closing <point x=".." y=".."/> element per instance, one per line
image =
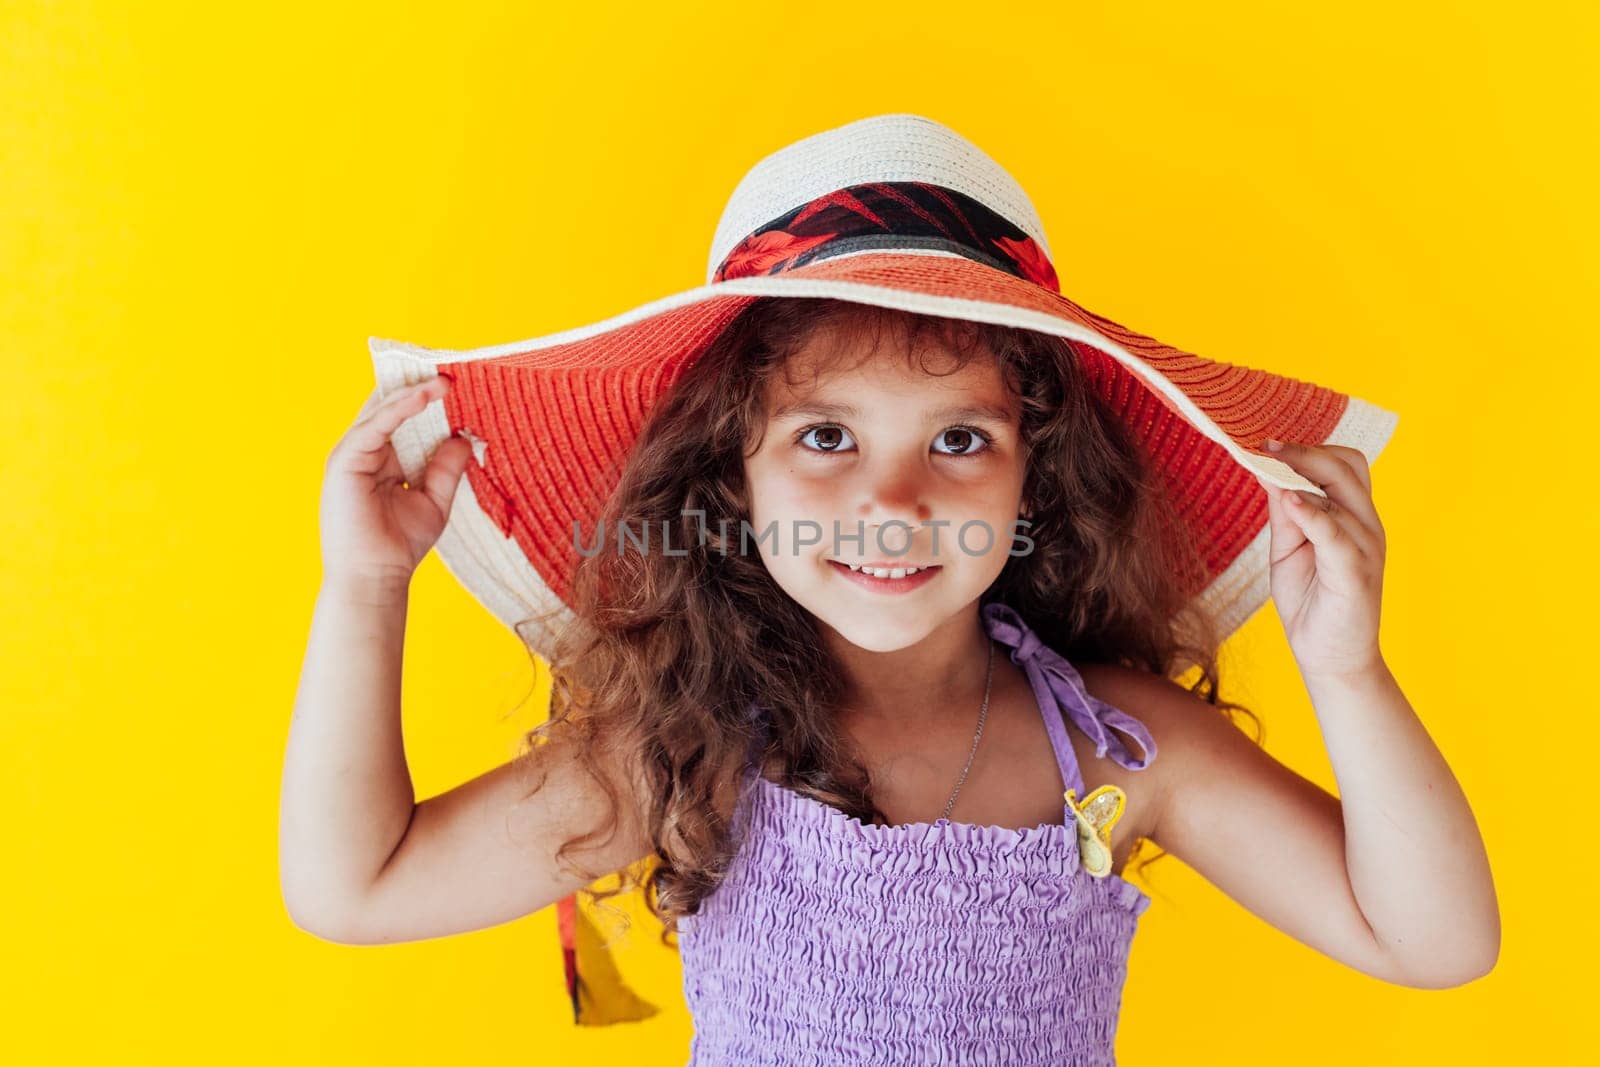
<point x="884" y="562"/>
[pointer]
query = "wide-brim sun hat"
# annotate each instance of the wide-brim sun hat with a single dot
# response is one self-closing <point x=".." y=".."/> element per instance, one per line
<point x="893" y="210"/>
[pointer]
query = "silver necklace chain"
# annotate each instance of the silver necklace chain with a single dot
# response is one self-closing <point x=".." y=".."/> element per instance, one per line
<point x="983" y="715"/>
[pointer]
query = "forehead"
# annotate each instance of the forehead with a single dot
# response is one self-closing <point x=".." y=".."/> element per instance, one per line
<point x="842" y="355"/>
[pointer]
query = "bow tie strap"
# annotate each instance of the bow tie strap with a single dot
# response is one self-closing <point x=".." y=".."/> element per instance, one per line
<point x="1050" y="672"/>
<point x="1113" y="723"/>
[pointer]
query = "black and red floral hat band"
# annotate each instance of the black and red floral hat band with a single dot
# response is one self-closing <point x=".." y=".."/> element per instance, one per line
<point x="893" y="216"/>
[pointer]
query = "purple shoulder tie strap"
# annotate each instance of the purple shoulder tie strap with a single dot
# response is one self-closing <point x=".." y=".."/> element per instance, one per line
<point x="1056" y="682"/>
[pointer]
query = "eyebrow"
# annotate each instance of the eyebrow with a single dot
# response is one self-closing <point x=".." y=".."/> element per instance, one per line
<point x="847" y="411"/>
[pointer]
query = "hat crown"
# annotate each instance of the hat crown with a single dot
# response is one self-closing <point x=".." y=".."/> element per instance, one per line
<point x="895" y="148"/>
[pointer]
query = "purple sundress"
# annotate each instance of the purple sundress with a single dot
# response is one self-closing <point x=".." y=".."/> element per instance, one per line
<point x="830" y="941"/>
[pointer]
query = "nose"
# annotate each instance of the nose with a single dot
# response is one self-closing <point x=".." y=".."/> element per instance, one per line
<point x="895" y="492"/>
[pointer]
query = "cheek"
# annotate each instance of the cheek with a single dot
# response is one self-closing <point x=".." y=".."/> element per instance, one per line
<point x="785" y="489"/>
<point x="986" y="488"/>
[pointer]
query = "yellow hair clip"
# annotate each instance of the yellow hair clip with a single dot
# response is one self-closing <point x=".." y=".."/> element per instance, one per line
<point x="1096" y="816"/>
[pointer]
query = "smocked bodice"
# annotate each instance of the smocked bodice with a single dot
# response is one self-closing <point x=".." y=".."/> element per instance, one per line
<point x="831" y="941"/>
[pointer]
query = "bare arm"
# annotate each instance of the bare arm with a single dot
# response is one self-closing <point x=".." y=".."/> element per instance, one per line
<point x="360" y="860"/>
<point x="362" y="863"/>
<point x="1393" y="881"/>
<point x="346" y="796"/>
<point x="1413" y="853"/>
<point x="484" y="852"/>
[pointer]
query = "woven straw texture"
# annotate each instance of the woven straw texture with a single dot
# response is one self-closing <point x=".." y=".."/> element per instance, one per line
<point x="555" y="418"/>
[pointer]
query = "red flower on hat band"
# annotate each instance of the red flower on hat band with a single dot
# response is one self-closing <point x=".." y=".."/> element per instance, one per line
<point x="1035" y="265"/>
<point x="889" y="216"/>
<point x="760" y="253"/>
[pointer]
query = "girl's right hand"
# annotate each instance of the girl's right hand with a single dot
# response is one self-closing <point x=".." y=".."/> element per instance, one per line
<point x="374" y="529"/>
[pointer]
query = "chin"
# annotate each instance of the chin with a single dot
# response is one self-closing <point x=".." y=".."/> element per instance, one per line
<point x="879" y="624"/>
<point x="874" y="635"/>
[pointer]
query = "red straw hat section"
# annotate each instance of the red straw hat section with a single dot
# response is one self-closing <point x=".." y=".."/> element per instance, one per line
<point x="553" y="419"/>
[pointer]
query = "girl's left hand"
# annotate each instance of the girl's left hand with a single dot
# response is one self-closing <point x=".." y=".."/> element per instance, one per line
<point x="1327" y="561"/>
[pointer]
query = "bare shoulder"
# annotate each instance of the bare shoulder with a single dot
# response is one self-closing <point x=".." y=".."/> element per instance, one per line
<point x="1160" y="703"/>
<point x="1191" y="736"/>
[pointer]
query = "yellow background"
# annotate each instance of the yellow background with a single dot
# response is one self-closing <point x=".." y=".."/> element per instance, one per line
<point x="206" y="210"/>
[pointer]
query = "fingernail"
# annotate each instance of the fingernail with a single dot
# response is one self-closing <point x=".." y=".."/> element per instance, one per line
<point x="1273" y="444"/>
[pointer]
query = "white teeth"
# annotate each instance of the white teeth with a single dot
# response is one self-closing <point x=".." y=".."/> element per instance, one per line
<point x="885" y="572"/>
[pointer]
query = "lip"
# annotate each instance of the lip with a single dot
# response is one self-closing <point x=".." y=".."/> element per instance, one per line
<point x="886" y="585"/>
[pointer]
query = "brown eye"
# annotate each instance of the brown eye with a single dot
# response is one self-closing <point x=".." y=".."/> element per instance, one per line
<point x="828" y="437"/>
<point x="963" y="441"/>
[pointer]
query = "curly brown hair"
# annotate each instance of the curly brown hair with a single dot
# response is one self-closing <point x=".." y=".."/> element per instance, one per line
<point x="668" y="655"/>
